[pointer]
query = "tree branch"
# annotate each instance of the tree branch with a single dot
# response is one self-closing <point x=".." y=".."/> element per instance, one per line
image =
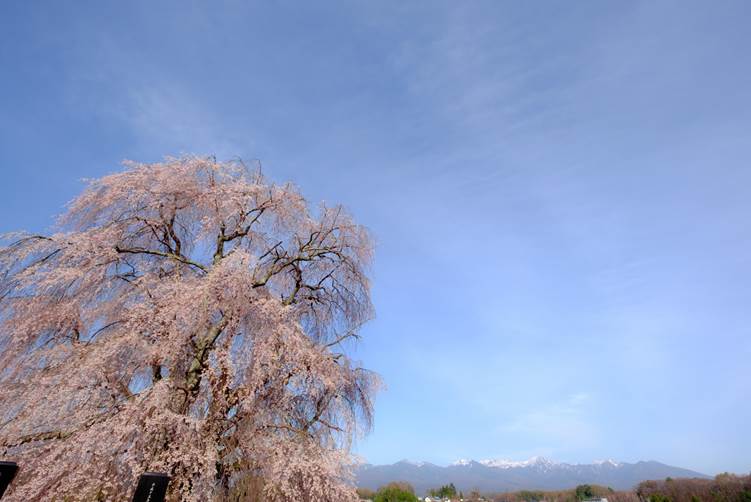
<point x="180" y="258"/>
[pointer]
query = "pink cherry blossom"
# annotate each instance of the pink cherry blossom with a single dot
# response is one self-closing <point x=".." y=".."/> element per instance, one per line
<point x="186" y="317"/>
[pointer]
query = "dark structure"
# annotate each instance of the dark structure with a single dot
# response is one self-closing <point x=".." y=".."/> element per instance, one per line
<point x="7" y="472"/>
<point x="152" y="487"/>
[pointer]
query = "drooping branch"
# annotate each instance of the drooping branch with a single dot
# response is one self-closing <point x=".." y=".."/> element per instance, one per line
<point x="172" y="256"/>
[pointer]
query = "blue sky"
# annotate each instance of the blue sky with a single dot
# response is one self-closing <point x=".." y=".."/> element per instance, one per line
<point x="559" y="191"/>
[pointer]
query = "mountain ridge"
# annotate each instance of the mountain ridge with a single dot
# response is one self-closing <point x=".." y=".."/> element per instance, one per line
<point x="500" y="475"/>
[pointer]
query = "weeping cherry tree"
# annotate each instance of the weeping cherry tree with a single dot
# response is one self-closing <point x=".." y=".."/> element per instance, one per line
<point x="187" y="317"/>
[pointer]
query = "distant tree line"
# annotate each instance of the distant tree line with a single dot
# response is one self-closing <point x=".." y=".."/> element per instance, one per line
<point x="723" y="488"/>
<point x="581" y="492"/>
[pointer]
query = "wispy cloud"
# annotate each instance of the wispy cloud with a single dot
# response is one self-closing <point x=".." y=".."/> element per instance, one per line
<point x="167" y="114"/>
<point x="552" y="426"/>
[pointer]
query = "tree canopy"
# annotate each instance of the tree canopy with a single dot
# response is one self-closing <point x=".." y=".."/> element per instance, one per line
<point x="188" y="317"/>
<point x="396" y="492"/>
<point x="584" y="492"/>
<point x="448" y="490"/>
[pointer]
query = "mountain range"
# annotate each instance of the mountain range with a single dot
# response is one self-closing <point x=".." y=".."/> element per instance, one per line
<point x="537" y="473"/>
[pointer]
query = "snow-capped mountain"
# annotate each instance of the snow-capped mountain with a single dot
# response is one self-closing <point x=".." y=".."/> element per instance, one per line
<point x="539" y="462"/>
<point x="497" y="475"/>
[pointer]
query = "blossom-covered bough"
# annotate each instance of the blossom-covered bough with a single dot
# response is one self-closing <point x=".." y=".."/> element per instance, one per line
<point x="188" y="317"/>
